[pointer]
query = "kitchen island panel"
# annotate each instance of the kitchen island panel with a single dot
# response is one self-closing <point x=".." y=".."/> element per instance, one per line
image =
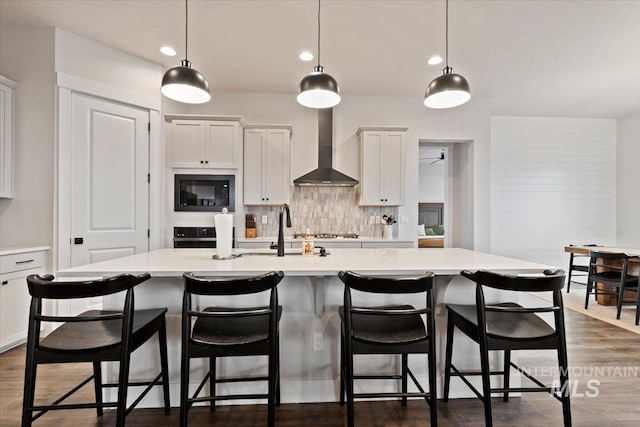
<point x="310" y="295"/>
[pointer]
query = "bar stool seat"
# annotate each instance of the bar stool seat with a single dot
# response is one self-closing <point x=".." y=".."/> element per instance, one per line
<point x="242" y="331"/>
<point x="103" y="335"/>
<point x="506" y="325"/>
<point x="375" y="329"/>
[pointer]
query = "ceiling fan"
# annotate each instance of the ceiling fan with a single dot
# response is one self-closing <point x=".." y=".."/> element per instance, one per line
<point x="435" y="159"/>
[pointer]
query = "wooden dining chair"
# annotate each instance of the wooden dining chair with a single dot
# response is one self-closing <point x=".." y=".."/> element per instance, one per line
<point x="578" y="268"/>
<point x="610" y="269"/>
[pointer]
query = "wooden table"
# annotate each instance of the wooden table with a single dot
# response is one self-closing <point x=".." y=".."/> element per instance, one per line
<point x="634" y="266"/>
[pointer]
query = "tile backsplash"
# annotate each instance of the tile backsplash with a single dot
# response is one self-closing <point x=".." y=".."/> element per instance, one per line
<point x="323" y="210"/>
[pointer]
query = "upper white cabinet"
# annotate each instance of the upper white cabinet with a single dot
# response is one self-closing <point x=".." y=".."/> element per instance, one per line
<point x="205" y="141"/>
<point x="7" y="95"/>
<point x="382" y="164"/>
<point x="266" y="164"/>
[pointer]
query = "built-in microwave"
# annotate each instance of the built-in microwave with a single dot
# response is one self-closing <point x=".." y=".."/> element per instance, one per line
<point x="209" y="193"/>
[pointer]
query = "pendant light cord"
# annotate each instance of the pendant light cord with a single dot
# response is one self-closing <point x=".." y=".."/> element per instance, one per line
<point x="318" y="32"/>
<point x="186" y="27"/>
<point x="446" y="37"/>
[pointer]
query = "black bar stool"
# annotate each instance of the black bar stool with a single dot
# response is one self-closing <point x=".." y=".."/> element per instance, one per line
<point x="392" y="329"/>
<point x="224" y="332"/>
<point x="610" y="269"/>
<point x="94" y="336"/>
<point x="507" y="327"/>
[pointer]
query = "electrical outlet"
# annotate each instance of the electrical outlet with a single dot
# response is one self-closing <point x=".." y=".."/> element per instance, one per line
<point x="318" y="341"/>
<point x="377" y="221"/>
<point x="264" y="219"/>
<point x="372" y="219"/>
<point x="404" y="219"/>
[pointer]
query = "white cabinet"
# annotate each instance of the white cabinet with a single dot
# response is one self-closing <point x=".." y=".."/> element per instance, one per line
<point x="14" y="294"/>
<point x="205" y="141"/>
<point x="382" y="164"/>
<point x="7" y="95"/>
<point x="266" y="165"/>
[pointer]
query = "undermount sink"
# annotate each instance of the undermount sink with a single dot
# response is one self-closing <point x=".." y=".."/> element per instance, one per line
<point x="298" y="253"/>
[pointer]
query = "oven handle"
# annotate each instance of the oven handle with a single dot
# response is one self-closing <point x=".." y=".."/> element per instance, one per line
<point x="194" y="239"/>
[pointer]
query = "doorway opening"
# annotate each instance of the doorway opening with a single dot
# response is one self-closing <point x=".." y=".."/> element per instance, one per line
<point x="445" y="193"/>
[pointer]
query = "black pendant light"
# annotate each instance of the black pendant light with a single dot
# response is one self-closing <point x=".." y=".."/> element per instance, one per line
<point x="318" y="89"/>
<point x="184" y="83"/>
<point x="450" y="89"/>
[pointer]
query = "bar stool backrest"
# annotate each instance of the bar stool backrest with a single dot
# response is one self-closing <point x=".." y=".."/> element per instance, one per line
<point x="550" y="281"/>
<point x="387" y="285"/>
<point x="605" y="258"/>
<point x="45" y="287"/>
<point x="231" y="285"/>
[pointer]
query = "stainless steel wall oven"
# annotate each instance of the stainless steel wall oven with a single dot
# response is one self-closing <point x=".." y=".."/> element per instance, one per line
<point x="197" y="237"/>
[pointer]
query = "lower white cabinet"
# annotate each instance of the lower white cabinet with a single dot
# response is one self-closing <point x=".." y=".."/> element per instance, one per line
<point x="14" y="293"/>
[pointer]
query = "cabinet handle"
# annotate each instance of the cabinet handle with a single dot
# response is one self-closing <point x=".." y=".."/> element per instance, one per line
<point x="201" y="162"/>
<point x="6" y="282"/>
<point x="206" y="161"/>
<point x="24" y="262"/>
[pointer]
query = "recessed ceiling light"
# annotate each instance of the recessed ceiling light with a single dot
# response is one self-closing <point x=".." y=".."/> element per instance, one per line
<point x="435" y="60"/>
<point x="305" y="55"/>
<point x="167" y="50"/>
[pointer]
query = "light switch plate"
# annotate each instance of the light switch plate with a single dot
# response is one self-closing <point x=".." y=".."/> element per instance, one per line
<point x="372" y="219"/>
<point x="264" y="219"/>
<point x="404" y="219"/>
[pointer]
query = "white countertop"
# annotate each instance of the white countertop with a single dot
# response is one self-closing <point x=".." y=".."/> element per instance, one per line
<point x="13" y="250"/>
<point x="174" y="262"/>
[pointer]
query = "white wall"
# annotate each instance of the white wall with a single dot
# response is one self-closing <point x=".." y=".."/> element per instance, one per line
<point x="26" y="57"/>
<point x="628" y="182"/>
<point x="431" y="182"/>
<point x="553" y="183"/>
<point x="97" y="62"/>
<point x="468" y="122"/>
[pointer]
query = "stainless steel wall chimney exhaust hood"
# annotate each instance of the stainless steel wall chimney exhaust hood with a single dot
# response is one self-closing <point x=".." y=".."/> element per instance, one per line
<point x="325" y="175"/>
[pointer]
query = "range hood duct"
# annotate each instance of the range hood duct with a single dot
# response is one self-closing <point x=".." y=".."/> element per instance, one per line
<point x="325" y="175"/>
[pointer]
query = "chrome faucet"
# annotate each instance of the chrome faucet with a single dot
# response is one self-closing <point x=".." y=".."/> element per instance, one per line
<point x="283" y="208"/>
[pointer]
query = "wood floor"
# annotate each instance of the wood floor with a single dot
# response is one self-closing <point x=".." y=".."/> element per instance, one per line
<point x="597" y="352"/>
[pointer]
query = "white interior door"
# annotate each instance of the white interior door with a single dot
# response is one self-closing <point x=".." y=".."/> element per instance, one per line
<point x="109" y="184"/>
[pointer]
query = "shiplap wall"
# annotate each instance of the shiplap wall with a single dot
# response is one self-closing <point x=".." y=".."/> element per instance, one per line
<point x="553" y="183"/>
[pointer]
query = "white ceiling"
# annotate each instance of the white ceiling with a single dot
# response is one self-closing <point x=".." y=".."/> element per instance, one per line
<point x="542" y="58"/>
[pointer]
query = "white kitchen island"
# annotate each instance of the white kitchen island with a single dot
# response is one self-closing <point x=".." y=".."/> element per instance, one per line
<point x="310" y="295"/>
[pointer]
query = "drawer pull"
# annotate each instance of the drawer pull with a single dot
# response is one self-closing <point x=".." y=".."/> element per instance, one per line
<point x="6" y="282"/>
<point x="25" y="262"/>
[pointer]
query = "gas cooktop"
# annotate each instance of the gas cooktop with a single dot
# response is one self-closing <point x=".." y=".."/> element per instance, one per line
<point x="326" y="235"/>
